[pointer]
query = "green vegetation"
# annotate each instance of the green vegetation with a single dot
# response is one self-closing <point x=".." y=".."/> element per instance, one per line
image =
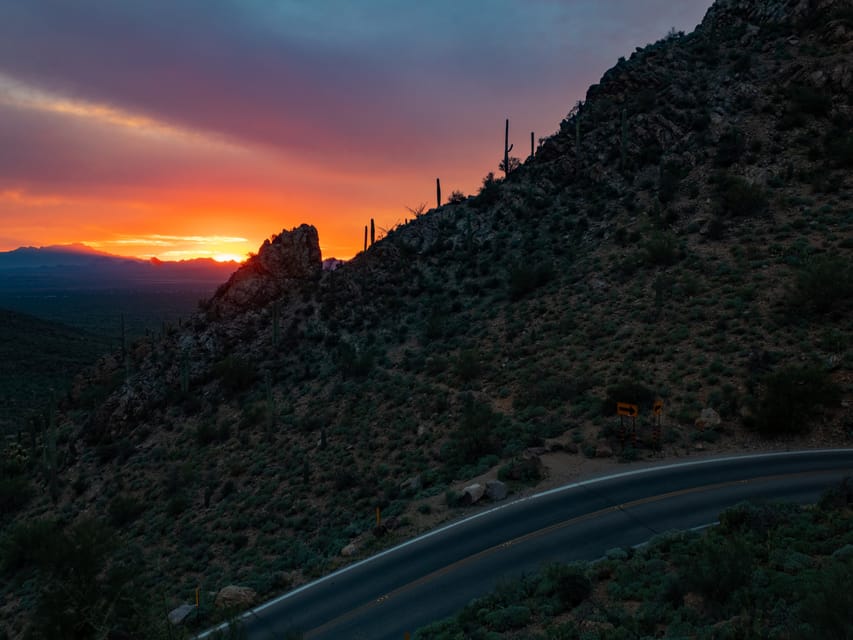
<point x="710" y="269"/>
<point x="769" y="570"/>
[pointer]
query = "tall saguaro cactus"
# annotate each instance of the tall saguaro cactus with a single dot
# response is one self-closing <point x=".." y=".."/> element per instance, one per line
<point x="372" y="232"/>
<point x="365" y="237"/>
<point x="507" y="149"/>
<point x="437" y="192"/>
<point x="531" y="144"/>
<point x="578" y="135"/>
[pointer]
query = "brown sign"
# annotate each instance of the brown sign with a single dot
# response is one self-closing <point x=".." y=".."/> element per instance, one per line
<point x="657" y="407"/>
<point x="625" y="409"/>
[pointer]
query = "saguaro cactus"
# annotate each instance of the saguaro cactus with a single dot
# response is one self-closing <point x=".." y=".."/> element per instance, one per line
<point x="437" y="192"/>
<point x="578" y="135"/>
<point x="531" y="144"/>
<point x="365" y="237"/>
<point x="507" y="149"/>
<point x="372" y="232"/>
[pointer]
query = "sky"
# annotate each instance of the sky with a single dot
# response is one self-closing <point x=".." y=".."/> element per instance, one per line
<point x="199" y="128"/>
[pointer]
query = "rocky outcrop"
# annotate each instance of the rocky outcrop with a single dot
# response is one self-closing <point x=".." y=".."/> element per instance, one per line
<point x="286" y="259"/>
<point x="708" y="419"/>
<point x="179" y="614"/>
<point x="725" y="14"/>
<point x="234" y="597"/>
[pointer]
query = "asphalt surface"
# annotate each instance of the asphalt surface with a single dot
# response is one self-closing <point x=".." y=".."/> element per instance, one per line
<point x="435" y="575"/>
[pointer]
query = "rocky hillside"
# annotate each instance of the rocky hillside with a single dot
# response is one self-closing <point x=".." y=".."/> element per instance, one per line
<point x="686" y="235"/>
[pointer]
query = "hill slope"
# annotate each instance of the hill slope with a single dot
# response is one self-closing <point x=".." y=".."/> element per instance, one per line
<point x="38" y="361"/>
<point x="686" y="234"/>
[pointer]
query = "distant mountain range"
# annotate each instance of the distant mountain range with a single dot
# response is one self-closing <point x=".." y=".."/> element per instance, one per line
<point x="78" y="266"/>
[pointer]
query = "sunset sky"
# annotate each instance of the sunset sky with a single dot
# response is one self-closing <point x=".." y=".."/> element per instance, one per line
<point x="183" y="128"/>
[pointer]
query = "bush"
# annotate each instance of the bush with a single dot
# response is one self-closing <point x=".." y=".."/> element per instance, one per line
<point x="15" y="493"/>
<point x="839" y="149"/>
<point x="511" y="617"/>
<point x="730" y="148"/>
<point x="661" y="250"/>
<point x="235" y="373"/>
<point x="719" y="567"/>
<point x="809" y="101"/>
<point x="740" y="198"/>
<point x="790" y="399"/>
<point x="125" y="509"/>
<point x="524" y="470"/>
<point x="25" y="542"/>
<point x="525" y="278"/>
<point x="825" y="284"/>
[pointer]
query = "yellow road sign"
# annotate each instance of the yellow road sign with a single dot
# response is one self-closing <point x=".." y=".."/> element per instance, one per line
<point x="625" y="409"/>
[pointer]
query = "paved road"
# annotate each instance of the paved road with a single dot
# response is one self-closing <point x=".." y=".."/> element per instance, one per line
<point x="435" y="575"/>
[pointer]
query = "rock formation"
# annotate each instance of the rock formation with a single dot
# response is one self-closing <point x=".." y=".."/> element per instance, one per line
<point x="282" y="261"/>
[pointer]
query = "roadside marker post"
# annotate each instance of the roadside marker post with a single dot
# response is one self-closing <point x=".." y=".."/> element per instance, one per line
<point x="657" y="409"/>
<point x="378" y="516"/>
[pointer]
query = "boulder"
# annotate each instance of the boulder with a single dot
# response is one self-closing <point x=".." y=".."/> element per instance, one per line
<point x="472" y="493"/>
<point x="349" y="550"/>
<point x="496" y="490"/>
<point x="708" y="419"/>
<point x="179" y="614"/>
<point x="603" y="450"/>
<point x="232" y="597"/>
<point x="412" y="484"/>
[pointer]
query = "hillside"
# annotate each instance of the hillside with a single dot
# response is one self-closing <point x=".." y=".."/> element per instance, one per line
<point x="685" y="235"/>
<point x="38" y="362"/>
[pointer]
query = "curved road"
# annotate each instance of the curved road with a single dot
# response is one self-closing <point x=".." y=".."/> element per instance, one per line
<point x="435" y="575"/>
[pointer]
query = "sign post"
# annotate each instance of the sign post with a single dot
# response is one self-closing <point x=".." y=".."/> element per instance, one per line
<point x="627" y="410"/>
<point x="657" y="409"/>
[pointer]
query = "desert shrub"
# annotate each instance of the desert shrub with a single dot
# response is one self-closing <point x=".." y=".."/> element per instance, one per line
<point x="526" y="277"/>
<point x="569" y="583"/>
<point x="790" y="398"/>
<point x="719" y="567"/>
<point x="839" y="149"/>
<point x="547" y="389"/>
<point x="235" y="374"/>
<point x="177" y="505"/>
<point x="15" y="493"/>
<point x="468" y="365"/>
<point x="661" y="250"/>
<point x="739" y="198"/>
<point x="207" y="433"/>
<point x="87" y="592"/>
<point x="730" y="148"/>
<point x="803" y="99"/>
<point x="671" y="174"/>
<point x="828" y="602"/>
<point x="25" y="542"/>
<point x="456" y="197"/>
<point x="824" y="284"/>
<point x="354" y="362"/>
<point x="124" y="509"/>
<point x="475" y="437"/>
<point x="524" y="470"/>
<point x="511" y="617"/>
